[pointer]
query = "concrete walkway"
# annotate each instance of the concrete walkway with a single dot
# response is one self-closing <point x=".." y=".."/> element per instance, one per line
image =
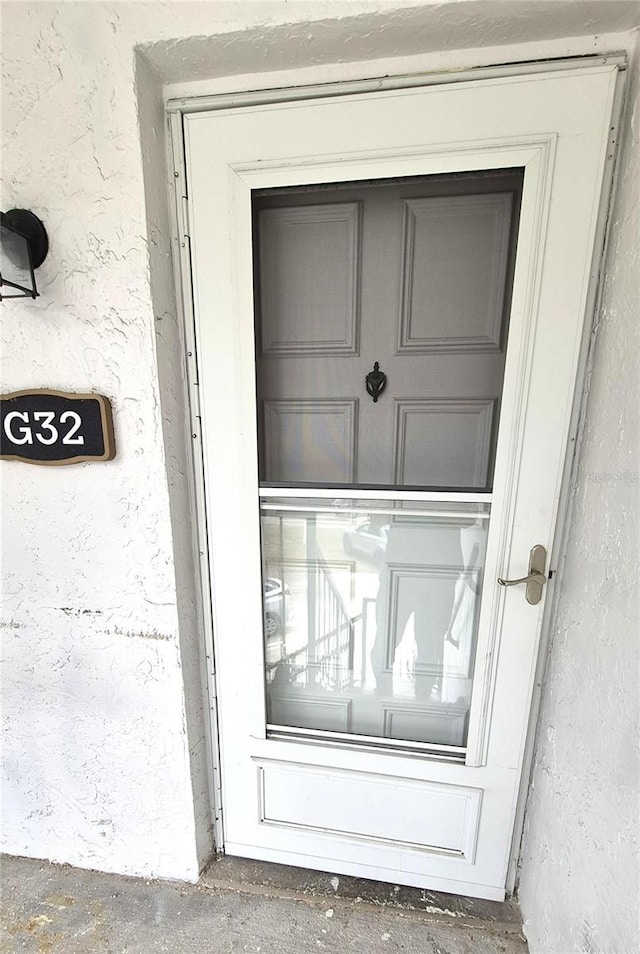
<point x="63" y="910"/>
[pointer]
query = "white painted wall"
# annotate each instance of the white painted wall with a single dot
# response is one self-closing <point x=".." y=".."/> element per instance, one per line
<point x="105" y="759"/>
<point x="96" y="755"/>
<point x="104" y="735"/>
<point x="580" y="880"/>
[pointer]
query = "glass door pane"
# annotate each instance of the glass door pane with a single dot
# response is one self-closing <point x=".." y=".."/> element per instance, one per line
<point x="371" y="611"/>
<point x="371" y="603"/>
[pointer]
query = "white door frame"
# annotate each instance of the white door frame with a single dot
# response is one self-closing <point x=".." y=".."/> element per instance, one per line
<point x="182" y="265"/>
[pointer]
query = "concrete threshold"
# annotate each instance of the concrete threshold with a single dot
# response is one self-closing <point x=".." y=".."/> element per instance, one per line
<point x="240" y="906"/>
<point x="319" y="887"/>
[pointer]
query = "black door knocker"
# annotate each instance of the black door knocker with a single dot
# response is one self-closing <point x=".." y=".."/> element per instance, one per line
<point x="376" y="381"/>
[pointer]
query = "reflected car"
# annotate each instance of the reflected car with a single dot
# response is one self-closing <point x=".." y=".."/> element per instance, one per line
<point x="367" y="540"/>
<point x="276" y="597"/>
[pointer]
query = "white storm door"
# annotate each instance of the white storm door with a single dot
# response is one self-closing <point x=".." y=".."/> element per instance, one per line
<point x="398" y="804"/>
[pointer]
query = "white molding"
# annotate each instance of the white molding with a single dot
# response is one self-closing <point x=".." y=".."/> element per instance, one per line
<point x="187" y="98"/>
<point x="181" y="261"/>
<point x="535" y="209"/>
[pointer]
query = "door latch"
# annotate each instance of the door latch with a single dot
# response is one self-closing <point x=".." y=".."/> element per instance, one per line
<point x="535" y="578"/>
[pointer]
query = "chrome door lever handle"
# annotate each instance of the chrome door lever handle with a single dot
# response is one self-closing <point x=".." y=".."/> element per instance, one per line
<point x="535" y="578"/>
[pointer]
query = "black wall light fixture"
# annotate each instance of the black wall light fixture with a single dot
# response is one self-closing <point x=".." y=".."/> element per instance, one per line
<point x="23" y="248"/>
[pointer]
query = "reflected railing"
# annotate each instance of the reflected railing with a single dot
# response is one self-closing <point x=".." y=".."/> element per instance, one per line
<point x="328" y="654"/>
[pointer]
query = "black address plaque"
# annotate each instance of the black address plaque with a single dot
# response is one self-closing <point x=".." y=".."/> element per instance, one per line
<point x="55" y="427"/>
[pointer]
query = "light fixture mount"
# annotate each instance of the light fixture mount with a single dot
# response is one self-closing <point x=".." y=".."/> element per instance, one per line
<point x="24" y="245"/>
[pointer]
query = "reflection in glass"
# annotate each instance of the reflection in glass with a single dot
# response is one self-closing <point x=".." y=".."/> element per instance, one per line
<point x="371" y="614"/>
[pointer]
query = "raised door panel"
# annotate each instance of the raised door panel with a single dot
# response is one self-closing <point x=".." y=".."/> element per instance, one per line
<point x="455" y="263"/>
<point x="408" y="721"/>
<point x="310" y="437"/>
<point x="443" y="442"/>
<point x="420" y="605"/>
<point x="309" y="279"/>
<point x="306" y="710"/>
<point x="440" y="818"/>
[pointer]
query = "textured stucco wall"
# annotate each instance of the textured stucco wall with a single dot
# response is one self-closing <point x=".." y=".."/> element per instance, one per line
<point x="96" y="756"/>
<point x="104" y="763"/>
<point x="102" y="713"/>
<point x="176" y="431"/>
<point x="580" y="887"/>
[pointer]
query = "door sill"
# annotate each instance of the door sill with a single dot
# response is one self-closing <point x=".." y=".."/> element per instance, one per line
<point x="269" y="879"/>
<point x="340" y="868"/>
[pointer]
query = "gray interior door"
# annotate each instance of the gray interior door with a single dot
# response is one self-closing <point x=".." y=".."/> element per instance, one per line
<point x="412" y="275"/>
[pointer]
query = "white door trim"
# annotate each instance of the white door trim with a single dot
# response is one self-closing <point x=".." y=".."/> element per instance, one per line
<point x="536" y="157"/>
<point x="180" y="231"/>
<point x="259" y="97"/>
